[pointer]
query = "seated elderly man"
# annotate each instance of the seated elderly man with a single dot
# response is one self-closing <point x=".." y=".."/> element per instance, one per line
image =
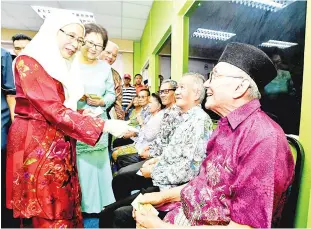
<point x="180" y="159"/>
<point x="249" y="167"/>
<point x="167" y="127"/>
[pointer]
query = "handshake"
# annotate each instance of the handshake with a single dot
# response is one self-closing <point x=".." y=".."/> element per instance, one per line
<point x="117" y="128"/>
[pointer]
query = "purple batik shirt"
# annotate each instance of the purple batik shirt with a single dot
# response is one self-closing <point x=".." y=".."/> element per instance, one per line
<point x="245" y="175"/>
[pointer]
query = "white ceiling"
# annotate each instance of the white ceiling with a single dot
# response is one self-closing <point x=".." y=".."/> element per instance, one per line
<point x="123" y="19"/>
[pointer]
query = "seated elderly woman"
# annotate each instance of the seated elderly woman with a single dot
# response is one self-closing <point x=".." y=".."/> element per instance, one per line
<point x="249" y="166"/>
<point x="148" y="132"/>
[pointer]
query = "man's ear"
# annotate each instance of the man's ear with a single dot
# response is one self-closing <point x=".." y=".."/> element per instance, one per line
<point x="241" y="89"/>
<point x="197" y="95"/>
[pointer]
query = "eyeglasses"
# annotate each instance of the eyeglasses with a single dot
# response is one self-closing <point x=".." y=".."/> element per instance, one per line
<point x="142" y="97"/>
<point x="19" y="48"/>
<point x="214" y="76"/>
<point x="110" y="53"/>
<point x="165" y="91"/>
<point x="90" y="44"/>
<point x="73" y="38"/>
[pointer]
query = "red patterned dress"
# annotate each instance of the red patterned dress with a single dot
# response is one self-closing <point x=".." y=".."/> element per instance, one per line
<point x="42" y="177"/>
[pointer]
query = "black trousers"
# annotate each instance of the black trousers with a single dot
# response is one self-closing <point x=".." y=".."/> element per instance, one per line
<point x="129" y="159"/>
<point x="121" y="142"/>
<point x="127" y="181"/>
<point x="7" y="220"/>
<point x="119" y="214"/>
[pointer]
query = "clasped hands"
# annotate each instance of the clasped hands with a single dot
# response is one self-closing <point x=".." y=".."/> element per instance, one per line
<point x="148" y="166"/>
<point x="145" y="219"/>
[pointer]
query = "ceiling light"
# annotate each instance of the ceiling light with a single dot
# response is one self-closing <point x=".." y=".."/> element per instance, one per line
<point x="84" y="17"/>
<point x="278" y="44"/>
<point x="212" y="34"/>
<point x="268" y="5"/>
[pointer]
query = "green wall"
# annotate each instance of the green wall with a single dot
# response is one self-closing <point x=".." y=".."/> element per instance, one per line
<point x="165" y="18"/>
<point x="303" y="216"/>
<point x="136" y="59"/>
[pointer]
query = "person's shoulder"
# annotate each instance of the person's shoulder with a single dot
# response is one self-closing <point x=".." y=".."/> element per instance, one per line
<point x="200" y="113"/>
<point x="104" y="64"/>
<point x="133" y="88"/>
<point x="104" y="67"/>
<point x="173" y="110"/>
<point x="27" y="60"/>
<point x="160" y="113"/>
<point x="4" y="52"/>
<point x="262" y="125"/>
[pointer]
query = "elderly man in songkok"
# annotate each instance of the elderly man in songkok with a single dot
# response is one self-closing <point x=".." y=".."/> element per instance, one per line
<point x="244" y="178"/>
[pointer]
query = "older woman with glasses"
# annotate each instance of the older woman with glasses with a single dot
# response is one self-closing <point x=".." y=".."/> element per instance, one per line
<point x="93" y="162"/>
<point x="148" y="132"/>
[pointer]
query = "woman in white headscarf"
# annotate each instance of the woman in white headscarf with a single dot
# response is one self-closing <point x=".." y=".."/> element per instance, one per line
<point x="42" y="179"/>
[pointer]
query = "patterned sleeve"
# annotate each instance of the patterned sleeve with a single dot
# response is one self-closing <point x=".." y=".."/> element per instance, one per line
<point x="167" y="127"/>
<point x="41" y="91"/>
<point x="159" y="143"/>
<point x="189" y="151"/>
<point x="109" y="96"/>
<point x="118" y="93"/>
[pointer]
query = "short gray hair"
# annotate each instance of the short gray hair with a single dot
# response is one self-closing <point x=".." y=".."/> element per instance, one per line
<point x="198" y="83"/>
<point x="253" y="89"/>
<point x="172" y="83"/>
<point x="253" y="92"/>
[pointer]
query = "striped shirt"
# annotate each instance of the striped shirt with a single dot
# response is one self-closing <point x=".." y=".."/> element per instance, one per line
<point x="128" y="94"/>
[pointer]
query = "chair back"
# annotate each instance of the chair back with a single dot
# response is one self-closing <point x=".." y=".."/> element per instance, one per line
<point x="289" y="211"/>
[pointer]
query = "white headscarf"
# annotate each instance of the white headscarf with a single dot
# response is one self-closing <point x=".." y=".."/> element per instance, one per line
<point x="44" y="49"/>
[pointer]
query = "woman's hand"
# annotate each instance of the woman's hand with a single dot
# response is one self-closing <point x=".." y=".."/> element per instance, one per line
<point x="95" y="102"/>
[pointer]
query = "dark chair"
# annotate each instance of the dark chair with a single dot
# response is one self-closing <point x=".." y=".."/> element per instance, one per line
<point x="289" y="211"/>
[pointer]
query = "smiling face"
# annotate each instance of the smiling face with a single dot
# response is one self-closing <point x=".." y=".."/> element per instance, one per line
<point x="143" y="98"/>
<point x="93" y="46"/>
<point x="220" y="88"/>
<point x="69" y="39"/>
<point x="167" y="94"/>
<point x="185" y="94"/>
<point x="136" y="102"/>
<point x="110" y="54"/>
